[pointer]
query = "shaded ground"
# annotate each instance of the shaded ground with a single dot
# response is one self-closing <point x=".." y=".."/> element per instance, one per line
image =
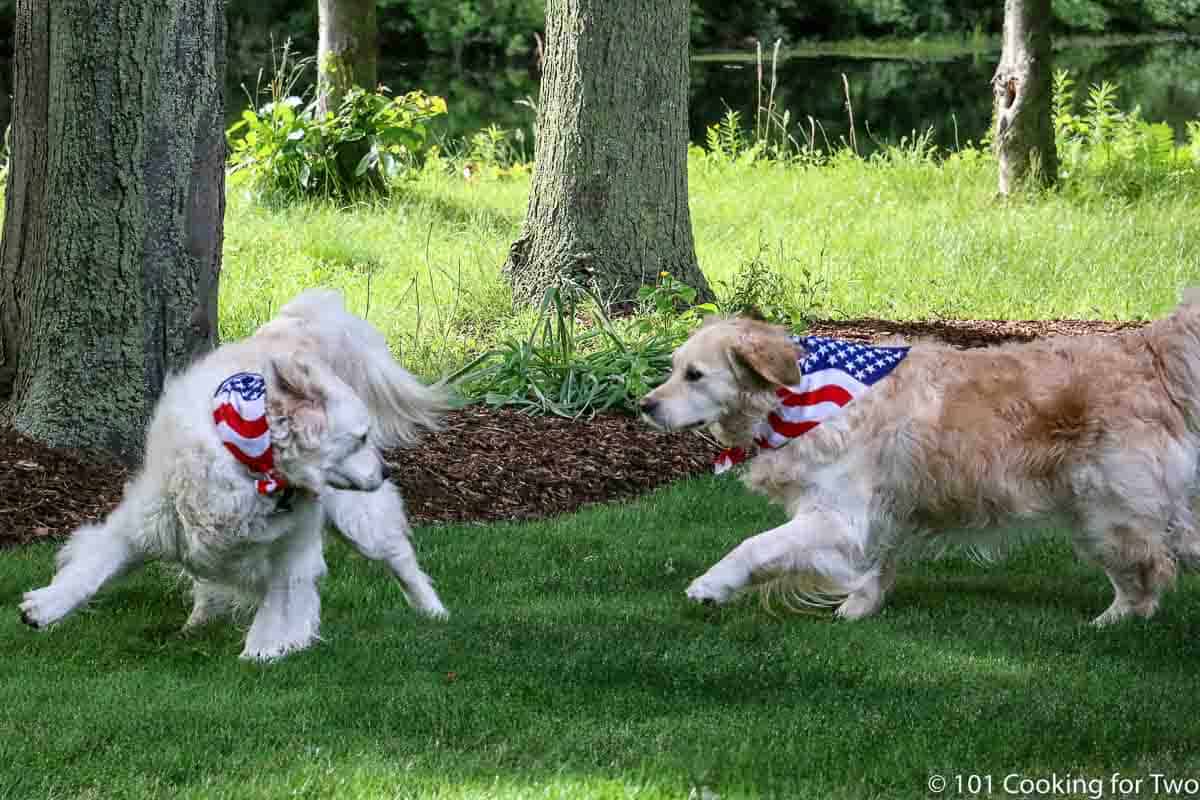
<point x="489" y="464"/>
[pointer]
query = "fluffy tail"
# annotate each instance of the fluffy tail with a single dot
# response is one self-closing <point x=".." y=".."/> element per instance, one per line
<point x="401" y="405"/>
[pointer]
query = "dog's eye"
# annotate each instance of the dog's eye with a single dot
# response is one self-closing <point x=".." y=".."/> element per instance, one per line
<point x="692" y="374"/>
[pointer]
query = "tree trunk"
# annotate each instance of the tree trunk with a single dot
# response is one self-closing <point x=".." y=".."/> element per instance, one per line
<point x="609" y="202"/>
<point x="1024" y="88"/>
<point x="113" y="213"/>
<point x="348" y="50"/>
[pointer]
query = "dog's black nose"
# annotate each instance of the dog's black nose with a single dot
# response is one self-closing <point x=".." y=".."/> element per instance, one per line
<point x="648" y="405"/>
<point x="387" y="471"/>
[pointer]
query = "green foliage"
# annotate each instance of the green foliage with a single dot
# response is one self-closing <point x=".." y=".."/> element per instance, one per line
<point x="455" y="26"/>
<point x="484" y="29"/>
<point x="1105" y="149"/>
<point x="288" y="149"/>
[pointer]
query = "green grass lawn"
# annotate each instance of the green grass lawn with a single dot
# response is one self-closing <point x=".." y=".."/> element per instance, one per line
<point x="907" y="238"/>
<point x="572" y="667"/>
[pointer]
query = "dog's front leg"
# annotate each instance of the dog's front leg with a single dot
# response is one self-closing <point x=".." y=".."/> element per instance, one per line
<point x="376" y="525"/>
<point x="816" y="544"/>
<point x="289" y="611"/>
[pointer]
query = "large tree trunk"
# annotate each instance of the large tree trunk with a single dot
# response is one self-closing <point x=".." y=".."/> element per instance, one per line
<point x="347" y="51"/>
<point x="609" y="201"/>
<point x="113" y="213"/>
<point x="1023" y="88"/>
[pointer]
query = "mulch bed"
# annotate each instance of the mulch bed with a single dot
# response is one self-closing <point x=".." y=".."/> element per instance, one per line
<point x="488" y="464"/>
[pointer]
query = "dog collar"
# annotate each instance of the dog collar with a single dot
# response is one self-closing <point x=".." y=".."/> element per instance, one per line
<point x="240" y="414"/>
<point x="833" y="373"/>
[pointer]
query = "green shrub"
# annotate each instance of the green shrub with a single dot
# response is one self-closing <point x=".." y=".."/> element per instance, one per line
<point x="287" y="149"/>
<point x="1103" y="149"/>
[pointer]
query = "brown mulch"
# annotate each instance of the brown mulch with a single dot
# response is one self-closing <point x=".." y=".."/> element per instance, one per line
<point x="493" y="464"/>
<point x="488" y="464"/>
<point x="46" y="492"/>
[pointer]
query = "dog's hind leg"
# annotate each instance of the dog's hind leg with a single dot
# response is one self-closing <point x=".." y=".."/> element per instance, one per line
<point x="1139" y="564"/>
<point x="376" y="525"/>
<point x="94" y="555"/>
<point x="210" y="601"/>
<point x="816" y="551"/>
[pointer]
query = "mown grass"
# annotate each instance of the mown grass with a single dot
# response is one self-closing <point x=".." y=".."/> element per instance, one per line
<point x="902" y="237"/>
<point x="572" y="667"/>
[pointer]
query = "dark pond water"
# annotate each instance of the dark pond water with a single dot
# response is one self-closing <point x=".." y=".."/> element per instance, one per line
<point x="893" y="96"/>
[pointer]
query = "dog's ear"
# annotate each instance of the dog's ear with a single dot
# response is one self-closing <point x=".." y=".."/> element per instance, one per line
<point x="766" y="354"/>
<point x="291" y="379"/>
<point x="295" y="394"/>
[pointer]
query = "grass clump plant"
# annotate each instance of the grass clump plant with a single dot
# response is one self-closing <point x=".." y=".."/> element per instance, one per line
<point x="578" y="360"/>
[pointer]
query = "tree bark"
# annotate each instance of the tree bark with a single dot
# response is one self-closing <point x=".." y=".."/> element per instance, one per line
<point x="1023" y="87"/>
<point x="113" y="213"/>
<point x="347" y="50"/>
<point x="609" y="202"/>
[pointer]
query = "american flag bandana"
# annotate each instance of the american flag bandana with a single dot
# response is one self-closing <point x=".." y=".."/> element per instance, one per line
<point x="834" y="372"/>
<point x="240" y="412"/>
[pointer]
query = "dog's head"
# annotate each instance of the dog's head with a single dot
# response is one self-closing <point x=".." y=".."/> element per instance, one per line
<point x="320" y="429"/>
<point x="726" y="369"/>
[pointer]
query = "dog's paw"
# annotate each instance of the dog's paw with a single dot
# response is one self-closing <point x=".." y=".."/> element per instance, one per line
<point x="42" y="608"/>
<point x="267" y="652"/>
<point x="709" y="592"/>
<point x="437" y="613"/>
<point x="859" y="606"/>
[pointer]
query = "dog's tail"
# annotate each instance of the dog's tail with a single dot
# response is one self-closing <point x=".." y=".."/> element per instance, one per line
<point x="401" y="405"/>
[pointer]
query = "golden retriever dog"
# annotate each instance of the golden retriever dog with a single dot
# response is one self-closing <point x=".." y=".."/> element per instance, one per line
<point x="974" y="448"/>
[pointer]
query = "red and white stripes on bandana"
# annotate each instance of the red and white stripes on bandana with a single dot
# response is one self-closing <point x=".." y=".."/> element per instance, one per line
<point x="833" y="373"/>
<point x="240" y="412"/>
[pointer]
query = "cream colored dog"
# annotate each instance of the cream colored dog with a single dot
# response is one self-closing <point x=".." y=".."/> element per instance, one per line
<point x="331" y="396"/>
<point x="975" y="448"/>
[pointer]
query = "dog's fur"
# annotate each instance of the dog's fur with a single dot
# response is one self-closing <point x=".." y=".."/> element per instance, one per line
<point x="972" y="448"/>
<point x="335" y="397"/>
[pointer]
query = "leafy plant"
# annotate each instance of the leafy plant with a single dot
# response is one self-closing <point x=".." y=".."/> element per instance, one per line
<point x="494" y="153"/>
<point x="287" y="149"/>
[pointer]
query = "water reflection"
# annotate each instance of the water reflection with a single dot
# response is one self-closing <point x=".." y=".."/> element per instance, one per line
<point x="891" y="97"/>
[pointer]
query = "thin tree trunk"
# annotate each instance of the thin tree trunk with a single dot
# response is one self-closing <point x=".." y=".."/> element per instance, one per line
<point x="609" y="202"/>
<point x="1023" y="87"/>
<point x="347" y="50"/>
<point x="113" y="213"/>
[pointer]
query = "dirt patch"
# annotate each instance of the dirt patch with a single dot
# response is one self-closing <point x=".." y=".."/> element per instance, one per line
<point x="488" y="464"/>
